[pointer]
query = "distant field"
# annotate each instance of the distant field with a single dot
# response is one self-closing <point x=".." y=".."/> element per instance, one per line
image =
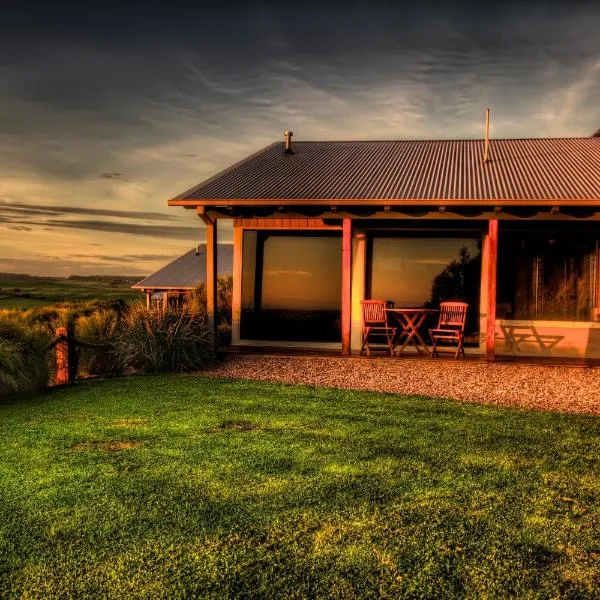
<point x="30" y="292"/>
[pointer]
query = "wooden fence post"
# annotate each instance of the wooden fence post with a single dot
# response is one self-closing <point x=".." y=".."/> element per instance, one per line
<point x="62" y="358"/>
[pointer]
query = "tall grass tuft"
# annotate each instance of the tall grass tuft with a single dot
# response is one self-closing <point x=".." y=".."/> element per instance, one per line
<point x="196" y="305"/>
<point x="23" y="365"/>
<point x="151" y="340"/>
<point x="100" y="327"/>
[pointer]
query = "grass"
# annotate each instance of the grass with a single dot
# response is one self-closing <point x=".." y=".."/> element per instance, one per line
<point x="174" y="486"/>
<point x="32" y="292"/>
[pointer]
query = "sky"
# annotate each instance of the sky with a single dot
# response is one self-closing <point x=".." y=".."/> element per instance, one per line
<point x="105" y="113"/>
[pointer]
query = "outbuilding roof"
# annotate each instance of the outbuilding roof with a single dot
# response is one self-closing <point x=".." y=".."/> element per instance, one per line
<point x="524" y="171"/>
<point x="187" y="271"/>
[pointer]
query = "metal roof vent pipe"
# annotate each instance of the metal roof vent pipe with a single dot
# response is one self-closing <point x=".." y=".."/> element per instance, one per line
<point x="486" y="146"/>
<point x="287" y="141"/>
<point x="197" y="249"/>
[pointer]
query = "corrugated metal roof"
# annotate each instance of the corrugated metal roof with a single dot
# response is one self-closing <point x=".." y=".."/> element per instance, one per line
<point x="187" y="271"/>
<point x="520" y="169"/>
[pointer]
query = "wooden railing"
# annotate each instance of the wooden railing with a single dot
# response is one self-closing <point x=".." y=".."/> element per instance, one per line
<point x="66" y="348"/>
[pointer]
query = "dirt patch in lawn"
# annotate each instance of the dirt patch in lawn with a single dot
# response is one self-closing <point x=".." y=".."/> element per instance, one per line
<point x="107" y="446"/>
<point x="237" y="426"/>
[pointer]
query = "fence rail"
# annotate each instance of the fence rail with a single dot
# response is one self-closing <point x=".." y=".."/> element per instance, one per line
<point x="66" y="348"/>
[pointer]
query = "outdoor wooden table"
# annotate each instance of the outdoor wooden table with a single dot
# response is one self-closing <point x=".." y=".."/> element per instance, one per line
<point x="410" y="321"/>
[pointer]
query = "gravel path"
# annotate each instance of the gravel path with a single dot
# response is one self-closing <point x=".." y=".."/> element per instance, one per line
<point x="569" y="389"/>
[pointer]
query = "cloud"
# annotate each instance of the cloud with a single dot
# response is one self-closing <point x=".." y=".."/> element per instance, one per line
<point x="180" y="233"/>
<point x="9" y="208"/>
<point x="114" y="175"/>
<point x="97" y="131"/>
<point x="123" y="259"/>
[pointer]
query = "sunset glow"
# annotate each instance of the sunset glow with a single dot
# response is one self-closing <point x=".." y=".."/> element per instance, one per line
<point x="107" y="114"/>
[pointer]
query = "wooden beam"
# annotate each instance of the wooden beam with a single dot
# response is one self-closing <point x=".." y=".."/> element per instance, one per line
<point x="201" y="212"/>
<point x="270" y="215"/>
<point x="346" y="285"/>
<point x="492" y="264"/>
<point x="211" y="278"/>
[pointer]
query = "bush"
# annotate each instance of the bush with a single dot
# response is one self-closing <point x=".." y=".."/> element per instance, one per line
<point x="100" y="327"/>
<point x="23" y="366"/>
<point x="196" y="305"/>
<point x="151" y="340"/>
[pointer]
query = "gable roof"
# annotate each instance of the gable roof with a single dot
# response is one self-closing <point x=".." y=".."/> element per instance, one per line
<point x="187" y="271"/>
<point x="544" y="169"/>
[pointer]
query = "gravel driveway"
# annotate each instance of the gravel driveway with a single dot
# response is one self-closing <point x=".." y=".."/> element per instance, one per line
<point x="559" y="388"/>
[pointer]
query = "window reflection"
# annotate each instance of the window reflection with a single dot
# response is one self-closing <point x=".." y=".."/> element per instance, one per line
<point x="291" y="286"/>
<point x="415" y="272"/>
<point x="549" y="276"/>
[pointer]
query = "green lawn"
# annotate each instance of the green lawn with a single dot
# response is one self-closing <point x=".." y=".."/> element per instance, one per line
<point x="177" y="486"/>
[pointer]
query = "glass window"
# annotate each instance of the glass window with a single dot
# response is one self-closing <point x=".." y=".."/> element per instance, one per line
<point x="291" y="286"/>
<point x="547" y="276"/>
<point x="424" y="271"/>
<point x="302" y="273"/>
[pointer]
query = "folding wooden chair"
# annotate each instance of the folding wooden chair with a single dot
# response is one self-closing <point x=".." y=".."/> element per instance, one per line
<point x="376" y="325"/>
<point x="451" y="327"/>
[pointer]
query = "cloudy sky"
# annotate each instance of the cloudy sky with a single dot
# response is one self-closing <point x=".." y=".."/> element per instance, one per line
<point x="106" y="113"/>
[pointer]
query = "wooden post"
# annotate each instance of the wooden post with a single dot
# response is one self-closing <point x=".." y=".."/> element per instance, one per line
<point x="62" y="358"/>
<point x="211" y="277"/>
<point x="148" y="294"/>
<point x="492" y="262"/>
<point x="359" y="272"/>
<point x="346" y="285"/>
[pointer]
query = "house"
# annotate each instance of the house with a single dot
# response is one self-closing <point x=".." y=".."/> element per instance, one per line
<point x="510" y="225"/>
<point x="171" y="283"/>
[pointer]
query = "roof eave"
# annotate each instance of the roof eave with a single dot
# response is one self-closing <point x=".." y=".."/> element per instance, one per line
<point x="193" y="202"/>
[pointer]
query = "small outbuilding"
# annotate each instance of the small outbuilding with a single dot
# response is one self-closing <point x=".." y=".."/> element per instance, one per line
<point x="170" y="285"/>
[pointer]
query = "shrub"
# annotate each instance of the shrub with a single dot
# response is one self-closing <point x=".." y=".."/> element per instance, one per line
<point x="23" y="366"/>
<point x="151" y="340"/>
<point x="196" y="305"/>
<point x="100" y="327"/>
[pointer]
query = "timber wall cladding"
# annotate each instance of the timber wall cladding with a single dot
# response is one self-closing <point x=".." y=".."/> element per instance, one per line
<point x="292" y="223"/>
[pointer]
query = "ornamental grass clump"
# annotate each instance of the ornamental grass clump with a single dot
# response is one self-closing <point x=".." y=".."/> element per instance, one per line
<point x="23" y="366"/>
<point x="195" y="305"/>
<point x="100" y="329"/>
<point x="151" y="341"/>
